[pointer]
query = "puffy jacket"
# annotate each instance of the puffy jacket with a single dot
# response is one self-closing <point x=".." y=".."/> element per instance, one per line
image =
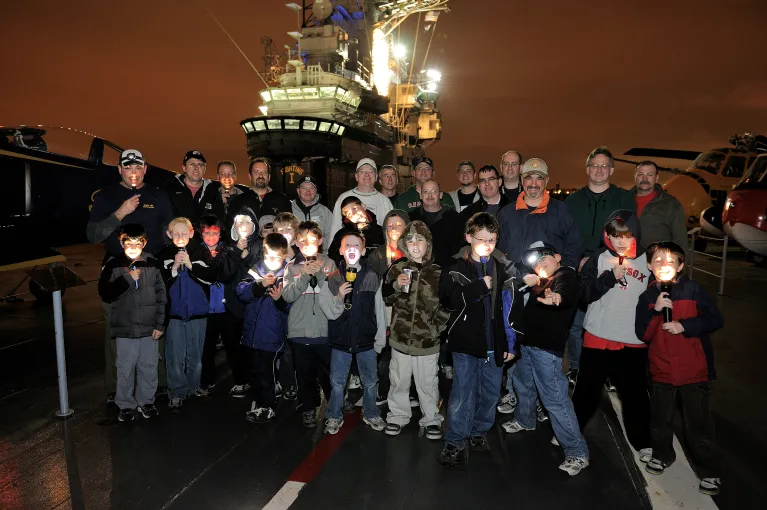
<point x="188" y="290"/>
<point x="417" y="316"/>
<point x="315" y="212"/>
<point x="550" y="222"/>
<point x="462" y="292"/>
<point x="311" y="306"/>
<point x="687" y="358"/>
<point x="662" y="219"/>
<point x="591" y="213"/>
<point x="137" y="308"/>
<point x="266" y="320"/>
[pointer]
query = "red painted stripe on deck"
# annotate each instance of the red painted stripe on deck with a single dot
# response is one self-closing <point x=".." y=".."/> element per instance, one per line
<point x="313" y="463"/>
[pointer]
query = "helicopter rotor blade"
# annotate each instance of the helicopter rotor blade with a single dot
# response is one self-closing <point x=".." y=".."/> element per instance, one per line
<point x="660" y="168"/>
<point x="662" y="153"/>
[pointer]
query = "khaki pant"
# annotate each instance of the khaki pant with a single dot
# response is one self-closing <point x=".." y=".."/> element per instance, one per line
<point x="423" y="369"/>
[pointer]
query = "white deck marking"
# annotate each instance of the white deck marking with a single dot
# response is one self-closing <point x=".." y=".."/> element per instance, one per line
<point x="286" y="496"/>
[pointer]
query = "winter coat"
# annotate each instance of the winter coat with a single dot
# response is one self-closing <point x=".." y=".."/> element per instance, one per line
<point x="266" y="320"/>
<point x="591" y="214"/>
<point x="547" y="327"/>
<point x="311" y="306"/>
<point x="188" y="290"/>
<point x="273" y="203"/>
<point x="477" y="207"/>
<point x="662" y="219"/>
<point x="607" y="301"/>
<point x="410" y="200"/>
<point x="550" y="222"/>
<point x="447" y="234"/>
<point x="188" y="206"/>
<point x="315" y="212"/>
<point x="136" y="308"/>
<point x="417" y="316"/>
<point x="462" y="292"/>
<point x="686" y="358"/>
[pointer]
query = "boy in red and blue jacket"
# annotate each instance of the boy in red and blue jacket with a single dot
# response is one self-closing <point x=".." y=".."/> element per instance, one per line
<point x="681" y="361"/>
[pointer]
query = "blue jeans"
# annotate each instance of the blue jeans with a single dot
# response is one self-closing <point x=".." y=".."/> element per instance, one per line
<point x="509" y="378"/>
<point x="540" y="369"/>
<point x="575" y="341"/>
<point x="476" y="388"/>
<point x="340" y="362"/>
<point x="183" y="355"/>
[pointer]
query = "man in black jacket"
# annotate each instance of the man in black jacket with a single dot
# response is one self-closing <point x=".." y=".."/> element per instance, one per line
<point x="260" y="198"/>
<point x="191" y="195"/>
<point x="491" y="199"/>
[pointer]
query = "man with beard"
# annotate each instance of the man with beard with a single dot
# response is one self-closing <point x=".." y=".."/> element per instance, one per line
<point x="661" y="216"/>
<point x="374" y="201"/>
<point x="190" y="193"/>
<point x="467" y="194"/>
<point x="442" y="222"/>
<point x="388" y="179"/>
<point x="511" y="162"/>
<point x="260" y="198"/>
<point x="410" y="200"/>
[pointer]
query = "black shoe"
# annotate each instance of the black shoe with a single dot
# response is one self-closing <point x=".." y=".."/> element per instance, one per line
<point x="433" y="432"/>
<point x="148" y="411"/>
<point x="479" y="443"/>
<point x="290" y="393"/>
<point x="126" y="415"/>
<point x="710" y="486"/>
<point x="259" y="414"/>
<point x="309" y="419"/>
<point x="451" y="456"/>
<point x="111" y="397"/>
<point x="348" y="407"/>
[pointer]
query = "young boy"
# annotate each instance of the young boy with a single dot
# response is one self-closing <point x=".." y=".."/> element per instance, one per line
<point x="355" y="329"/>
<point x="547" y="315"/>
<point x="187" y="278"/>
<point x="411" y="287"/>
<point x="478" y="289"/>
<point x="357" y="219"/>
<point x="266" y="324"/>
<point x="611" y="282"/>
<point x="306" y="288"/>
<point x="681" y="362"/>
<point x="134" y="288"/>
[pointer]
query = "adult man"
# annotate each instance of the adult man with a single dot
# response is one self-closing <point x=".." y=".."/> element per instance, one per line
<point x="511" y="162"/>
<point x="388" y="178"/>
<point x="535" y="217"/>
<point x="467" y="194"/>
<point x="129" y="201"/>
<point x="308" y="207"/>
<point x="374" y="201"/>
<point x="661" y="216"/>
<point x="442" y="222"/>
<point x="260" y="198"/>
<point x="227" y="189"/>
<point x="410" y="200"/>
<point x="190" y="194"/>
<point x="491" y="200"/>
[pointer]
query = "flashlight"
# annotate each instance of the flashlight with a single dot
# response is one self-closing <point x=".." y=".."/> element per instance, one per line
<point x="623" y="282"/>
<point x="351" y="275"/>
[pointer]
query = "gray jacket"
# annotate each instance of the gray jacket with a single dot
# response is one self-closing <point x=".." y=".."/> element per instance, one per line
<point x="316" y="212"/>
<point x="663" y="219"/>
<point x="454" y="195"/>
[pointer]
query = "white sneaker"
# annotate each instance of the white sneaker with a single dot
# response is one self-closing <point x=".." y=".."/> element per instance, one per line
<point x="645" y="455"/>
<point x="507" y="404"/>
<point x="377" y="423"/>
<point x="354" y="382"/>
<point x="710" y="486"/>
<point x="332" y="426"/>
<point x="574" y="465"/>
<point x="513" y="426"/>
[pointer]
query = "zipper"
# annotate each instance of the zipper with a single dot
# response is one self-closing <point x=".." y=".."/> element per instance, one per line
<point x="415" y="301"/>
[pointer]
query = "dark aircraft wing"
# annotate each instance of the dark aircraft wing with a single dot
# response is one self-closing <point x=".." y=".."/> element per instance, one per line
<point x="661" y="168"/>
<point x="662" y="153"/>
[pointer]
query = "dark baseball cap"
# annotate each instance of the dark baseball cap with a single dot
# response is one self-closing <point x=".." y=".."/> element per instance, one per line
<point x="194" y="154"/>
<point x="423" y="159"/>
<point x="306" y="178"/>
<point x="536" y="252"/>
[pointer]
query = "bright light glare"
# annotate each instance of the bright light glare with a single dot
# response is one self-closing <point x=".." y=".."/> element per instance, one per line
<point x="263" y="109"/>
<point x="380" y="62"/>
<point x="399" y="50"/>
<point x="434" y="75"/>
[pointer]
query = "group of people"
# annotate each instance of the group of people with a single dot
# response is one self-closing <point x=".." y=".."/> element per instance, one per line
<point x="446" y="293"/>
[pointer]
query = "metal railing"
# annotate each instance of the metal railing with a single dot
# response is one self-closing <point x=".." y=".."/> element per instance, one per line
<point x="695" y="234"/>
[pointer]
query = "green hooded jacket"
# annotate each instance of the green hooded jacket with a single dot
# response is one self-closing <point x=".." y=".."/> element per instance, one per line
<point x="591" y="213"/>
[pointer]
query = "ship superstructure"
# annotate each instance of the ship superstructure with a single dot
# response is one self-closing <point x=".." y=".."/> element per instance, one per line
<point x="347" y="91"/>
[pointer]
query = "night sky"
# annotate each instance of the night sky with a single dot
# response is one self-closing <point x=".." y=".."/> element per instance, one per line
<point x="551" y="78"/>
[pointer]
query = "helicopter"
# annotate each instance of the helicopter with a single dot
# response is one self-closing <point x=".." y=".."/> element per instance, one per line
<point x="744" y="217"/>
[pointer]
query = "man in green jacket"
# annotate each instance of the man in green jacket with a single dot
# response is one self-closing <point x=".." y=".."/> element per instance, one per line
<point x="410" y="200"/>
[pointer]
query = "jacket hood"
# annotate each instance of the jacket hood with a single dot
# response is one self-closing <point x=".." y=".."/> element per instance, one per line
<point x="394" y="212"/>
<point x="420" y="228"/>
<point x="632" y="222"/>
<point x="247" y="211"/>
<point x="370" y="215"/>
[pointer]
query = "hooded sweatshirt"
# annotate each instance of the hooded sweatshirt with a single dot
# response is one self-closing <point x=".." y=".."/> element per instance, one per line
<point x="314" y="212"/>
<point x="373" y="234"/>
<point x="383" y="256"/>
<point x="611" y="306"/>
<point x="234" y="267"/>
<point x="417" y="316"/>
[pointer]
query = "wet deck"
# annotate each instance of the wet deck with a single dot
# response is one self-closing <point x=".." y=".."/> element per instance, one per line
<point x="208" y="456"/>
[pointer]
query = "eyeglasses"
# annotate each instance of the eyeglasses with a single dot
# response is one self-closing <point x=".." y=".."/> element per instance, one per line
<point x="484" y="241"/>
<point x="489" y="180"/>
<point x="594" y="166"/>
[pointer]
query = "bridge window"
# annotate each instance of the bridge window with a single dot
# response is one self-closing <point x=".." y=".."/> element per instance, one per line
<point x="734" y="167"/>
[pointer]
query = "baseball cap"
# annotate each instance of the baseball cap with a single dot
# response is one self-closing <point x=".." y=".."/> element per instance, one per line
<point x="366" y="161"/>
<point x="536" y="252"/>
<point x="465" y="162"/>
<point x="423" y="159"/>
<point x="307" y="178"/>
<point x="194" y="154"/>
<point x="131" y="156"/>
<point x="535" y="166"/>
<point x="264" y="220"/>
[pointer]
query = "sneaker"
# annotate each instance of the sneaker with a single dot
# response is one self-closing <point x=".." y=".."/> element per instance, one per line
<point x="479" y="443"/>
<point x="381" y="400"/>
<point x="290" y="393"/>
<point x="572" y="376"/>
<point x="278" y="390"/>
<point x="348" y="407"/>
<point x="655" y="466"/>
<point x="162" y="391"/>
<point x="609" y="386"/>
<point x="377" y="423"/>
<point x="354" y="382"/>
<point x="175" y="404"/>
<point x="309" y="419"/>
<point x="542" y="416"/>
<point x="574" y="465"/>
<point x="710" y="486"/>
<point x="507" y="403"/>
<point x="513" y="426"/>
<point x="148" y="411"/>
<point x="554" y="441"/>
<point x="433" y="431"/>
<point x="414" y="402"/>
<point x="332" y="426"/>
<point x="238" y="391"/>
<point x="645" y="454"/>
<point x="211" y="387"/>
<point x="392" y="429"/>
<point x="259" y="414"/>
<point x="111" y="397"/>
<point x="201" y="393"/>
<point x="125" y="415"/>
<point x="451" y="456"/>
